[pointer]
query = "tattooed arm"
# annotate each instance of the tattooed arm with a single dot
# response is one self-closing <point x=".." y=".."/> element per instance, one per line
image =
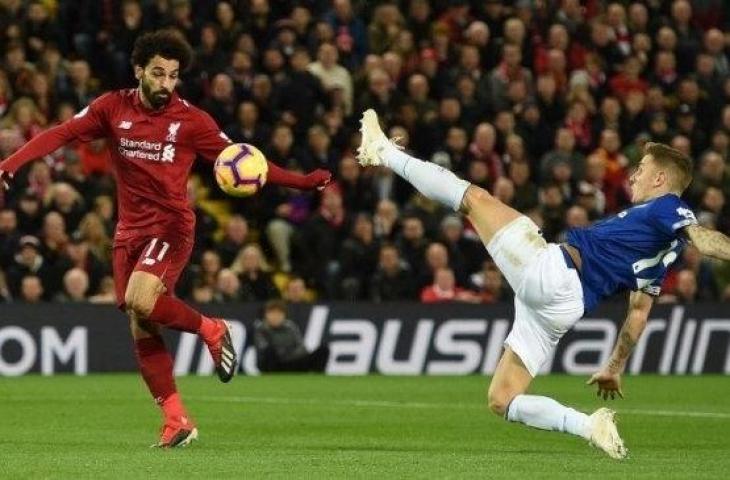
<point x="709" y="242"/>
<point x="639" y="306"/>
<point x="609" y="378"/>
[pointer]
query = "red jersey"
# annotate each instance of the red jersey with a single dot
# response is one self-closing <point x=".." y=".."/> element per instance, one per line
<point x="152" y="152"/>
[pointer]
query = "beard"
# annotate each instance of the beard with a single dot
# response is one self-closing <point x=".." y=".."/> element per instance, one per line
<point x="157" y="99"/>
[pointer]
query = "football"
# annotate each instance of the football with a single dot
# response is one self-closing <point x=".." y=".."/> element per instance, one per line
<point x="241" y="170"/>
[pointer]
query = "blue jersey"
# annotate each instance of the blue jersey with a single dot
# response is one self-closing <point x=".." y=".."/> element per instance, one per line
<point x="632" y="250"/>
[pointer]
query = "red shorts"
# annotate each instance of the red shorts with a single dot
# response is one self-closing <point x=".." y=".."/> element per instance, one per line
<point x="164" y="256"/>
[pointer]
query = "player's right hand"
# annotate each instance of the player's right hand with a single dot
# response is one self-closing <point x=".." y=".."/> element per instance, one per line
<point x="4" y="179"/>
<point x="609" y="384"/>
<point x="319" y="178"/>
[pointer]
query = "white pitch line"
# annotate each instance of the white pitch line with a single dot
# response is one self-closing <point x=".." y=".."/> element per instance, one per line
<point x="383" y="404"/>
<point x="674" y="413"/>
<point x="344" y="403"/>
<point x="424" y="405"/>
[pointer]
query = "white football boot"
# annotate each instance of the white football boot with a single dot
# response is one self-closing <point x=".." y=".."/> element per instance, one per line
<point x="373" y="142"/>
<point x="604" y="434"/>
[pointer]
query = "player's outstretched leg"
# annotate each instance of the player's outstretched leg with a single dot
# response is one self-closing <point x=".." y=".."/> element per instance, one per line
<point x="156" y="367"/>
<point x="146" y="297"/>
<point x="507" y="397"/>
<point x="433" y="181"/>
<point x="487" y="213"/>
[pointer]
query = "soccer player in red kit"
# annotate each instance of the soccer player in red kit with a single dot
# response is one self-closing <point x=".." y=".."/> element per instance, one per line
<point x="156" y="136"/>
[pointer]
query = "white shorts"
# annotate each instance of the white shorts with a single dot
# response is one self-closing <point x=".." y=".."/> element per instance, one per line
<point x="548" y="294"/>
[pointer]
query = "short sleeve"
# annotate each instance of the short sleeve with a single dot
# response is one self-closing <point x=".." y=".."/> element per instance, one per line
<point x="90" y="123"/>
<point x="669" y="213"/>
<point x="209" y="139"/>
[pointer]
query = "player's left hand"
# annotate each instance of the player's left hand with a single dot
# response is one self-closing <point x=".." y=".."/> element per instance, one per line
<point x="319" y="178"/>
<point x="609" y="384"/>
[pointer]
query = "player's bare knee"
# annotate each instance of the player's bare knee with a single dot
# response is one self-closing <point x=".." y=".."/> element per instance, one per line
<point x="142" y="292"/>
<point x="138" y="303"/>
<point x="498" y="400"/>
<point x="498" y="405"/>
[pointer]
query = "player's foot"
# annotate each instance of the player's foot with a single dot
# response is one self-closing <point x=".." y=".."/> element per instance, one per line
<point x="373" y="142"/>
<point x="177" y="432"/>
<point x="604" y="433"/>
<point x="221" y="349"/>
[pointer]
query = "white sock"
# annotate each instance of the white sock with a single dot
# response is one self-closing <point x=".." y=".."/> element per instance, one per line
<point x="547" y="414"/>
<point x="433" y="181"/>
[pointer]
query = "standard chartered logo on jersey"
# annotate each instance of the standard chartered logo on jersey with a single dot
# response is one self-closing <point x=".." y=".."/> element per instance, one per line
<point x="144" y="150"/>
<point x="154" y="151"/>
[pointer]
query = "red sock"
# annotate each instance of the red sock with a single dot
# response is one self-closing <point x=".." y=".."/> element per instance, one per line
<point x="209" y="328"/>
<point x="173" y="407"/>
<point x="155" y="364"/>
<point x="175" y="314"/>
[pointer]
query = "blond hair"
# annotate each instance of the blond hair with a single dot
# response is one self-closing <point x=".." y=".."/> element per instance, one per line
<point x="677" y="162"/>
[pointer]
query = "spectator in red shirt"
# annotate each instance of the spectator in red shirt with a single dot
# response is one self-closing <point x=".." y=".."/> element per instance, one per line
<point x="455" y="19"/>
<point x="444" y="289"/>
<point x="578" y="121"/>
<point x="482" y="149"/>
<point x="615" y="181"/>
<point x="558" y="38"/>
<point x="629" y="80"/>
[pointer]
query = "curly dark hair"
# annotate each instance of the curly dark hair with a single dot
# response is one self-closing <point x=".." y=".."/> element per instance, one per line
<point x="168" y="43"/>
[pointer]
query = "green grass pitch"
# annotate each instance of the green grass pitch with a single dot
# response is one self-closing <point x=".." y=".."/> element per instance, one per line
<point x="312" y="426"/>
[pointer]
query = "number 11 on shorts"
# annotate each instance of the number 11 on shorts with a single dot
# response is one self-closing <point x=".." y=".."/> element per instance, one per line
<point x="150" y="258"/>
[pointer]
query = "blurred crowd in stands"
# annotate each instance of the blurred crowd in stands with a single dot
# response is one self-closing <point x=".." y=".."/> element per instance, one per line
<point x="547" y="103"/>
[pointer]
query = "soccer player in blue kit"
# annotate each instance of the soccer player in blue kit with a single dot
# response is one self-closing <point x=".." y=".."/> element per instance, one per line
<point x="555" y="284"/>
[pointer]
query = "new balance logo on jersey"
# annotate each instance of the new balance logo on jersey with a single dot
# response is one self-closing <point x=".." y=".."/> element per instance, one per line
<point x="172" y="132"/>
<point x="124" y="125"/>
